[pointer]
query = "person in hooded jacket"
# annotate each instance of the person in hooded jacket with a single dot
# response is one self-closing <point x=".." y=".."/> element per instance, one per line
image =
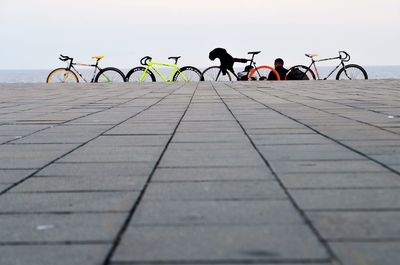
<point x="280" y="69"/>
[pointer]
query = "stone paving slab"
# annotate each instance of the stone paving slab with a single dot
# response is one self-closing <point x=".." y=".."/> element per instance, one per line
<point x="184" y="191"/>
<point x="13" y="202"/>
<point x="48" y="228"/>
<point x="200" y="173"/>
<point x="355" y="253"/>
<point x="352" y="226"/>
<point x="250" y="212"/>
<point x="123" y="169"/>
<point x="373" y="199"/>
<point x="80" y="183"/>
<point x="214" y="243"/>
<point x="338" y="180"/>
<point x="13" y="176"/>
<point x="51" y="254"/>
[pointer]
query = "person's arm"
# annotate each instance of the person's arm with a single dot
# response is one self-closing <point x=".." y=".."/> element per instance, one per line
<point x="272" y="76"/>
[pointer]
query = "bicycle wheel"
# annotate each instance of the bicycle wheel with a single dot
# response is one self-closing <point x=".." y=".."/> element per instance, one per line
<point x="263" y="72"/>
<point x="352" y="72"/>
<point x="300" y="72"/>
<point x="187" y="74"/>
<point x="110" y="75"/>
<point x="214" y="73"/>
<point x="62" y="75"/>
<point x="140" y="74"/>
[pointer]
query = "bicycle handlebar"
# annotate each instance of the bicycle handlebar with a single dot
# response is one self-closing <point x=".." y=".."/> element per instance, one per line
<point x="344" y="56"/>
<point x="145" y="60"/>
<point x="65" y="58"/>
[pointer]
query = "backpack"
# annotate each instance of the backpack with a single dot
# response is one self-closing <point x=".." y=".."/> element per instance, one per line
<point x="297" y="74"/>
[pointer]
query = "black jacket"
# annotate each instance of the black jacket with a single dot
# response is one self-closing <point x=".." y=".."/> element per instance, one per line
<point x="282" y="71"/>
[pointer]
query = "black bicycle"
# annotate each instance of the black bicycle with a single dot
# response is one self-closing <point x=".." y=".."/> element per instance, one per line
<point x="346" y="72"/>
<point x="70" y="74"/>
<point x="252" y="72"/>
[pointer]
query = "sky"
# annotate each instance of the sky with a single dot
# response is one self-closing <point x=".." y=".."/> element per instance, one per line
<point x="34" y="32"/>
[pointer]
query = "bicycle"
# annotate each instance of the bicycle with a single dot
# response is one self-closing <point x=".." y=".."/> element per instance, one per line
<point x="144" y="73"/>
<point x="70" y="74"/>
<point x="216" y="73"/>
<point x="347" y="72"/>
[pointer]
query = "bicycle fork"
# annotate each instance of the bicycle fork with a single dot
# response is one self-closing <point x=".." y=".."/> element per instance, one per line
<point x="345" y="71"/>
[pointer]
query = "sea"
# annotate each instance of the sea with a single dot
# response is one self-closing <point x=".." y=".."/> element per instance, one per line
<point x="39" y="76"/>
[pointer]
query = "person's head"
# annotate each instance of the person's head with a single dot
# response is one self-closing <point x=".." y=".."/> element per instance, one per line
<point x="279" y="62"/>
<point x="248" y="68"/>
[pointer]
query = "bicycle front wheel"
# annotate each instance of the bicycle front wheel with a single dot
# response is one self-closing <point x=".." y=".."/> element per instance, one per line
<point x="140" y="74"/>
<point x="187" y="74"/>
<point x="62" y="75"/>
<point x="110" y="75"/>
<point x="300" y="72"/>
<point x="352" y="72"/>
<point x="263" y="73"/>
<point x="214" y="73"/>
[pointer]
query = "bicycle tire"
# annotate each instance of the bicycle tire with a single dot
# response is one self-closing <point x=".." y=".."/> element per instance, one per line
<point x="135" y="74"/>
<point x="191" y="73"/>
<point x="110" y="75"/>
<point x="352" y="70"/>
<point x="67" y="75"/>
<point x="264" y="76"/>
<point x="307" y="71"/>
<point x="214" y="73"/>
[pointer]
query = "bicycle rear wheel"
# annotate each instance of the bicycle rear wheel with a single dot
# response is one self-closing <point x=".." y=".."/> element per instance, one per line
<point x="139" y="74"/>
<point x="300" y="72"/>
<point x="262" y="73"/>
<point x="352" y="72"/>
<point x="110" y="75"/>
<point x="214" y="73"/>
<point x="187" y="74"/>
<point x="62" y="75"/>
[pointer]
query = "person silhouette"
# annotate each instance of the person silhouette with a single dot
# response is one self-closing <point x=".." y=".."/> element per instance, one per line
<point x="225" y="58"/>
<point x="282" y="71"/>
<point x="243" y="76"/>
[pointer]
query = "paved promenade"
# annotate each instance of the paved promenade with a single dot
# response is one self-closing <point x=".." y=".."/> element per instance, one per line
<point x="239" y="173"/>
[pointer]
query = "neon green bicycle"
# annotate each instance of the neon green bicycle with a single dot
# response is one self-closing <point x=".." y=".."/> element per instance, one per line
<point x="144" y="74"/>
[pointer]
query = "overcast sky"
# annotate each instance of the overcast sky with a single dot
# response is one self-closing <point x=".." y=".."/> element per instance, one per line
<point x="34" y="32"/>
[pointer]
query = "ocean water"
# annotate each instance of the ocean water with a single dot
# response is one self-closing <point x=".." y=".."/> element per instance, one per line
<point x="39" y="76"/>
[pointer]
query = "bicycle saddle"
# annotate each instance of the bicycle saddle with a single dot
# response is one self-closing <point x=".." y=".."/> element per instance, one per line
<point x="311" y="55"/>
<point x="257" y="52"/>
<point x="176" y="58"/>
<point x="98" y="57"/>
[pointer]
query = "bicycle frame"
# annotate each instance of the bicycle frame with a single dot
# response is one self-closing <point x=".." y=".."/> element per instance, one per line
<point x="313" y="63"/>
<point x="251" y="62"/>
<point x="96" y="68"/>
<point x="175" y="68"/>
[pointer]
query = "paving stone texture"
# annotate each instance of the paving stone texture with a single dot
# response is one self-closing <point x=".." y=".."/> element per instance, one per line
<point x="200" y="173"/>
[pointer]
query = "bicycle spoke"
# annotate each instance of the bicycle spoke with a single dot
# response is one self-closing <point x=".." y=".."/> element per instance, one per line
<point x="110" y="76"/>
<point x="139" y="74"/>
<point x="300" y="72"/>
<point x="263" y="73"/>
<point x="187" y="74"/>
<point x="352" y="72"/>
<point x="62" y="76"/>
<point x="215" y="74"/>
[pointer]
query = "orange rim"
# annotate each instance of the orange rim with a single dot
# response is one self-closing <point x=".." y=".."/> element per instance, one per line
<point x="254" y="70"/>
<point x="49" y="78"/>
